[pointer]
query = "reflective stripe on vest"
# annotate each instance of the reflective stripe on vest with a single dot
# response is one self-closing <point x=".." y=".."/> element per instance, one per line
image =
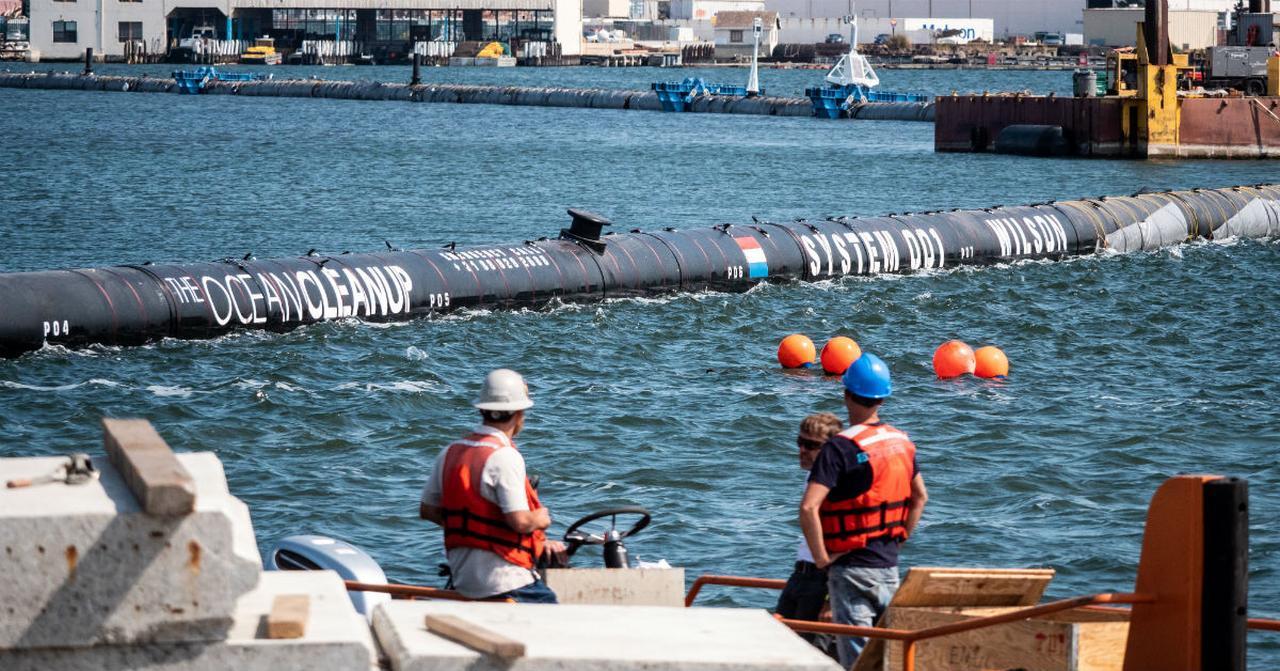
<point x="470" y="520"/>
<point x="881" y="511"/>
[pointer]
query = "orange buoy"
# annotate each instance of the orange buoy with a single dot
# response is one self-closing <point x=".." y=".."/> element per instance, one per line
<point x="990" y="362"/>
<point x="796" y="351"/>
<point x="953" y="359"/>
<point x="838" y="354"/>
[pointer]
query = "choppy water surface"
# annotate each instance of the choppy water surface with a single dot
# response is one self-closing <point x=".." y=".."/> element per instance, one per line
<point x="1126" y="369"/>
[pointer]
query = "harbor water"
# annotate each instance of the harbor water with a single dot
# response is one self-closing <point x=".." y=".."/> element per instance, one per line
<point x="1126" y="368"/>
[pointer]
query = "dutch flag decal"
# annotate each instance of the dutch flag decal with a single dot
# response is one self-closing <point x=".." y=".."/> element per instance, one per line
<point x="757" y="264"/>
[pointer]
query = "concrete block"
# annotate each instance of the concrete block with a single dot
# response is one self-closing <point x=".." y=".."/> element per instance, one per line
<point x="152" y="471"/>
<point x="337" y="638"/>
<point x="288" y="616"/>
<point x="618" y="587"/>
<point x="595" y="638"/>
<point x="84" y="564"/>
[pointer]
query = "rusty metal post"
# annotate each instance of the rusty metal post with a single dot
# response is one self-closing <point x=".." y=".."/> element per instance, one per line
<point x="1157" y="31"/>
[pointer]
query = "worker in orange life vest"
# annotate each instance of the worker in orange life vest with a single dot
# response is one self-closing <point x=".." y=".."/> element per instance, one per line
<point x="864" y="498"/>
<point x="494" y="524"/>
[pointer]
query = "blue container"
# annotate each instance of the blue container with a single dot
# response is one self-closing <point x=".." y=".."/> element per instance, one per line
<point x="676" y="96"/>
<point x="195" y="81"/>
<point x="831" y="102"/>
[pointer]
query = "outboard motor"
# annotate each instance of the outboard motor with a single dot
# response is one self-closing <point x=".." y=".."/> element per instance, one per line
<point x="321" y="553"/>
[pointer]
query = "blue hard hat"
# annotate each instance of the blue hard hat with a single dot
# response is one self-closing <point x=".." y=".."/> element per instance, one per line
<point x="868" y="377"/>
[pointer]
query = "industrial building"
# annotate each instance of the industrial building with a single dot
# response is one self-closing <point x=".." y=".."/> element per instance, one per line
<point x="63" y="29"/>
<point x="1008" y="17"/>
<point x="1188" y="30"/>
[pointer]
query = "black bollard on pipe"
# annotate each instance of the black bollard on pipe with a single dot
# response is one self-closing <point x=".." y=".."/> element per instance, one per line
<point x="417" y="70"/>
<point x="88" y="61"/>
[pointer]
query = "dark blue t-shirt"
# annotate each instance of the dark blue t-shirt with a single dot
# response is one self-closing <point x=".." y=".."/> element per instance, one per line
<point x="841" y="467"/>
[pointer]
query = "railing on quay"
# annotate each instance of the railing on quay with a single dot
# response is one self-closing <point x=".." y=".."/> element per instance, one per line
<point x="1106" y="601"/>
<point x="909" y="639"/>
<point x="408" y="591"/>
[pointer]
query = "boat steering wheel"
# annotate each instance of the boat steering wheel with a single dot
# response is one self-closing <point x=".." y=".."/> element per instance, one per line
<point x="574" y="539"/>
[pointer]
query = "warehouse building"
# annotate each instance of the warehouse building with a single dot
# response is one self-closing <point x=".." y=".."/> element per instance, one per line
<point x="1195" y="29"/>
<point x="63" y="29"/>
<point x="1008" y="17"/>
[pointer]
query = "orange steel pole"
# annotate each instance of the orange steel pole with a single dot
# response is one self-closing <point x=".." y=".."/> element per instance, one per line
<point x="405" y="590"/>
<point x="910" y="638"/>
<point x="1264" y="624"/>
<point x="730" y="581"/>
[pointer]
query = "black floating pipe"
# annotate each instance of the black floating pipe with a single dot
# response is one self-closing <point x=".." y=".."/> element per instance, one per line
<point x="135" y="304"/>
<point x="615" y="99"/>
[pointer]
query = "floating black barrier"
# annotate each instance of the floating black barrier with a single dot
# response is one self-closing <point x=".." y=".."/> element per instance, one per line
<point x="466" y="94"/>
<point x="135" y="304"/>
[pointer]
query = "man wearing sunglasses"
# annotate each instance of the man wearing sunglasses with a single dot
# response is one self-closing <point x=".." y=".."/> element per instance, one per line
<point x="806" y="592"/>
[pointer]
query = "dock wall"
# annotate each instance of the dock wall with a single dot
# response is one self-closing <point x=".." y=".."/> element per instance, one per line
<point x="467" y="94"/>
<point x="1109" y="126"/>
<point x="1226" y="128"/>
<point x="135" y="304"/>
<point x="1093" y="126"/>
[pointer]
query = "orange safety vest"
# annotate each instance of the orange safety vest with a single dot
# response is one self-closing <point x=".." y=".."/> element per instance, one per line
<point x="472" y="521"/>
<point x="881" y="511"/>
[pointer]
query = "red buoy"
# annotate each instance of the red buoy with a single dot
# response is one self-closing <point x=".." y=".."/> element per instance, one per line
<point x="953" y="359"/>
<point x="838" y="354"/>
<point x="990" y="362"/>
<point x="796" y="351"/>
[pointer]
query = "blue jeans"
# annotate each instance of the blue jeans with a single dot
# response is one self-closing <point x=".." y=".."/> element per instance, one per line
<point x="858" y="597"/>
<point x="535" y="592"/>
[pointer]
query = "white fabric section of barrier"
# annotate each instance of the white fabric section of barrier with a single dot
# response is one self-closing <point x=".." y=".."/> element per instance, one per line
<point x="1166" y="227"/>
<point x="1259" y="219"/>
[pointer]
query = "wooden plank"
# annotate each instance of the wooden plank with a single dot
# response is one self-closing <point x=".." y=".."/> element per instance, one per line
<point x="474" y="636"/>
<point x="1102" y="643"/>
<point x="288" y="616"/>
<point x="934" y="587"/>
<point x="1032" y="645"/>
<point x="873" y="656"/>
<point x="157" y="479"/>
<point x="1068" y="641"/>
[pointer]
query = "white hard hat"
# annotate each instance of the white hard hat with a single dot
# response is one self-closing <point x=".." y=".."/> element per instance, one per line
<point x="505" y="391"/>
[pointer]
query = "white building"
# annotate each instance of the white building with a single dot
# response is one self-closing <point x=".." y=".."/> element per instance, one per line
<point x="62" y="29"/>
<point x="703" y="10"/>
<point x="1119" y="27"/>
<point x="1009" y="17"/>
<point x="734" y="34"/>
<point x="919" y="31"/>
